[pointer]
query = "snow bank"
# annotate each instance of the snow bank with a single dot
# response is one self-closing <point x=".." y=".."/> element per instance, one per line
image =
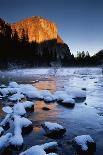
<point x="4" y="140"/>
<point x="39" y="149"/>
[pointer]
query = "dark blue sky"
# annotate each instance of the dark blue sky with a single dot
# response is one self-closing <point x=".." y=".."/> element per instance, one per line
<point x="80" y="22"/>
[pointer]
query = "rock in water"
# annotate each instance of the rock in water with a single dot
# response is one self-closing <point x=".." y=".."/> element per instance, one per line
<point x="53" y="130"/>
<point x="84" y="145"/>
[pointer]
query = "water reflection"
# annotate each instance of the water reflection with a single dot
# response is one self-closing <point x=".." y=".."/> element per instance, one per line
<point x="40" y="114"/>
<point x="46" y="85"/>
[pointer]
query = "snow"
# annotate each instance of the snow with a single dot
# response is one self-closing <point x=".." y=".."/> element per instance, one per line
<point x="64" y="97"/>
<point x="4" y="92"/>
<point x="47" y="96"/>
<point x="69" y="100"/>
<point x="28" y="104"/>
<point x="82" y="141"/>
<point x="39" y="149"/>
<point x="16" y="97"/>
<point x="7" y="109"/>
<point x="4" y="140"/>
<point x="53" y="126"/>
<point x="49" y="145"/>
<point x="13" y="85"/>
<point x="76" y="93"/>
<point x="33" y="94"/>
<point x="19" y="109"/>
<point x="19" y="123"/>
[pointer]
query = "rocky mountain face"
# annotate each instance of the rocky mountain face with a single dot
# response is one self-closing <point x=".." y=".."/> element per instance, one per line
<point x="33" y="39"/>
<point x="37" y="29"/>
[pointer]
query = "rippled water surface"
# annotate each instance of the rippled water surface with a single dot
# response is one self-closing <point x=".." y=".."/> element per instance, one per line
<point x="85" y="118"/>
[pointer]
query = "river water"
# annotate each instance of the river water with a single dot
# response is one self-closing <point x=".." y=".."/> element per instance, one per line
<point x="85" y="118"/>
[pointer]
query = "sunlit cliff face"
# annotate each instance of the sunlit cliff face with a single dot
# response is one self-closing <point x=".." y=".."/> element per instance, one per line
<point x="37" y="29"/>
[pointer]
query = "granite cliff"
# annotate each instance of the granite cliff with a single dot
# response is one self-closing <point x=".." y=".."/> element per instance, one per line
<point x="34" y="40"/>
<point x="37" y="29"/>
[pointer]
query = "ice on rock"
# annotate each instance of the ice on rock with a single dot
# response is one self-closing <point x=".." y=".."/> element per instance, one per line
<point x="84" y="143"/>
<point x="53" y="130"/>
<point x="16" y="97"/>
<point x="4" y="140"/>
<point x="40" y="149"/>
<point x="19" y="124"/>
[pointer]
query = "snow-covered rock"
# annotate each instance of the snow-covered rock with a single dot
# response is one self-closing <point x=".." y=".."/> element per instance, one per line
<point x="4" y="92"/>
<point x="28" y="105"/>
<point x="84" y="144"/>
<point x="16" y="97"/>
<point x="76" y="93"/>
<point x="7" y="109"/>
<point x="20" y="124"/>
<point x="47" y="96"/>
<point x="40" y="149"/>
<point x="34" y="94"/>
<point x="64" y="99"/>
<point x="53" y="130"/>
<point x="19" y="109"/>
<point x="4" y="140"/>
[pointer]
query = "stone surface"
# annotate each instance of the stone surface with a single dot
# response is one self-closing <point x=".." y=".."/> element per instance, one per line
<point x="37" y="29"/>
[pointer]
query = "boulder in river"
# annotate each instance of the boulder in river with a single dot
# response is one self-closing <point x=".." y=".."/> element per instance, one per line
<point x="84" y="145"/>
<point x="53" y="130"/>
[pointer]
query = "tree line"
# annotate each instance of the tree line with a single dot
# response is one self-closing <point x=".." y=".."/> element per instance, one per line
<point x="19" y="51"/>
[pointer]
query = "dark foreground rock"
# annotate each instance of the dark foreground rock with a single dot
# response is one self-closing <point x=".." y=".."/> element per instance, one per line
<point x="84" y="145"/>
<point x="53" y="130"/>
